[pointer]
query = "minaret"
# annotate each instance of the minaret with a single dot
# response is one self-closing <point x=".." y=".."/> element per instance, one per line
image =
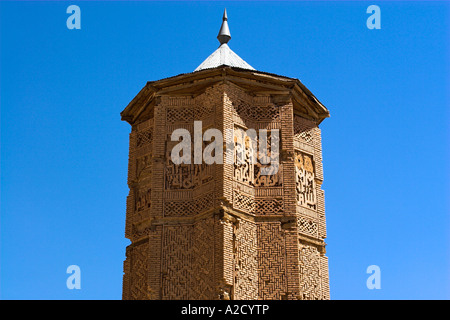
<point x="249" y="228"/>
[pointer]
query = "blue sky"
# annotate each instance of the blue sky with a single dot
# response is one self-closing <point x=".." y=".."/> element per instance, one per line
<point x="385" y="147"/>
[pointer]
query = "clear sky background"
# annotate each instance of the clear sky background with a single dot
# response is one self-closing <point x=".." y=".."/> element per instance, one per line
<point x="64" y="149"/>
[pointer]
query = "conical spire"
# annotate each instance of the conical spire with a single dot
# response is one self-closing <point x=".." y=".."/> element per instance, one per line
<point x="224" y="33"/>
<point x="224" y="56"/>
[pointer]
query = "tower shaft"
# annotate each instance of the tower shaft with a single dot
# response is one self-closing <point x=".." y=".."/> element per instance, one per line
<point x="225" y="230"/>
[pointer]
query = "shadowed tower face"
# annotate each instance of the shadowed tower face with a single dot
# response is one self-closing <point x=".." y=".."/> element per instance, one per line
<point x="252" y="227"/>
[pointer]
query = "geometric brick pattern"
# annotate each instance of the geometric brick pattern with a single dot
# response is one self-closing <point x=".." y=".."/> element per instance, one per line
<point x="139" y="272"/>
<point x="307" y="226"/>
<point x="180" y="208"/>
<point x="246" y="254"/>
<point x="310" y="273"/>
<point x="257" y="206"/>
<point x="177" y="262"/>
<point x="271" y="261"/>
<point x="202" y="280"/>
<point x="303" y="129"/>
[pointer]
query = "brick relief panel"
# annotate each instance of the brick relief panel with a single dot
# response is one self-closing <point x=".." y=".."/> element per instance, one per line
<point x="271" y="261"/>
<point x="304" y="130"/>
<point x="188" y="207"/>
<point x="253" y="111"/>
<point x="144" y="137"/>
<point x="187" y="176"/>
<point x="305" y="181"/>
<point x="188" y="261"/>
<point x="310" y="272"/>
<point x="139" y="256"/>
<point x="267" y="112"/>
<point x="245" y="261"/>
<point x="176" y="262"/>
<point x="308" y="226"/>
<point x="139" y="180"/>
<point x="265" y="199"/>
<point x="248" y="160"/>
<point x="189" y="187"/>
<point x="202" y="279"/>
<point x="143" y="198"/>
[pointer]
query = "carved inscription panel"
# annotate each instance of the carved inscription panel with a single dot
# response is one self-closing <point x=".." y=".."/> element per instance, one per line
<point x="304" y="181"/>
<point x="249" y="160"/>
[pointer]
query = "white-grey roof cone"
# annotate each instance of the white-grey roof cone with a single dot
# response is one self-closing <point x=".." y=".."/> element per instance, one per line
<point x="224" y="55"/>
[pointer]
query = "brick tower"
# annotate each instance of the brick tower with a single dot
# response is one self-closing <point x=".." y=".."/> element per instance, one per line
<point x="225" y="230"/>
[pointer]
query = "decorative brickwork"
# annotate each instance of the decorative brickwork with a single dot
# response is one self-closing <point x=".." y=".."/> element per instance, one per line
<point x="226" y="231"/>
<point x="177" y="265"/>
<point x="313" y="273"/>
<point x="137" y="262"/>
<point x="271" y="261"/>
<point x="310" y="280"/>
<point x="245" y="261"/>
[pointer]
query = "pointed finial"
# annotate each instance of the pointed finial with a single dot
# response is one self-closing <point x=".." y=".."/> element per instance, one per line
<point x="224" y="33"/>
